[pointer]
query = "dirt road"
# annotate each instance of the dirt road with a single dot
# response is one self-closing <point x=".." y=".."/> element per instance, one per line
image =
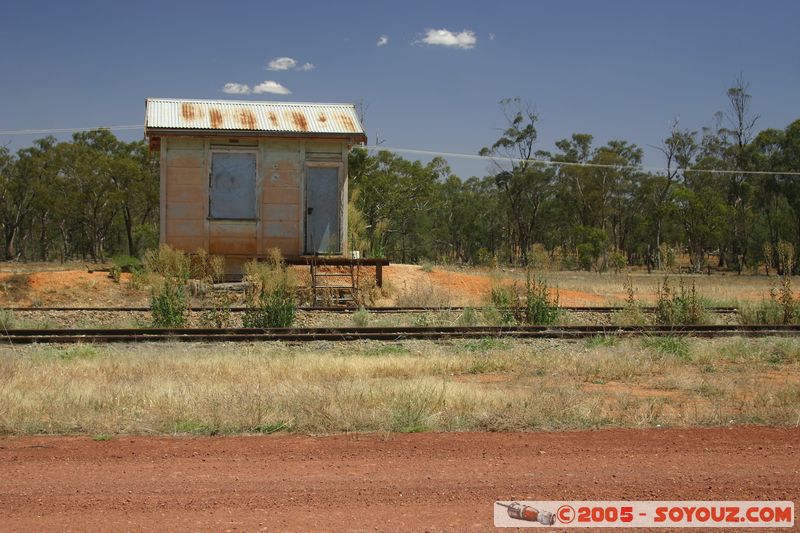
<point x="423" y="482"/>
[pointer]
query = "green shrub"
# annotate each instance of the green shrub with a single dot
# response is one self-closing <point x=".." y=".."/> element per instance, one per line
<point x="679" y="307"/>
<point x="169" y="303"/>
<point x="276" y="310"/>
<point x="270" y="296"/>
<point x="503" y="301"/>
<point x="423" y="320"/>
<point x="540" y="307"/>
<point x="790" y="311"/>
<point x="468" y="317"/>
<point x="532" y="304"/>
<point x="617" y="261"/>
<point x="632" y="313"/>
<point x="601" y="341"/>
<point x="115" y="273"/>
<point x="7" y="319"/>
<point x="361" y="318"/>
<point x="126" y="263"/>
<point x="140" y="279"/>
<point x="765" y="312"/>
<point x="674" y="346"/>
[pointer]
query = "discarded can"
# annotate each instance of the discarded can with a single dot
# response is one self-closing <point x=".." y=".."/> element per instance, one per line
<point x="529" y="514"/>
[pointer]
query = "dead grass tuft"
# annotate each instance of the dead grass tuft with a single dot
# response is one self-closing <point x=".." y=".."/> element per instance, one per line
<point x="327" y="387"/>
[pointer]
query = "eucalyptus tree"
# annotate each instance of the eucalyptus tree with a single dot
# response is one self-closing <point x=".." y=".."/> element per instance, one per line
<point x="524" y="184"/>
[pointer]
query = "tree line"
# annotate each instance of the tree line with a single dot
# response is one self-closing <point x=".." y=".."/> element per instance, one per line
<point x="598" y="208"/>
<point x="601" y="209"/>
<point x="89" y="198"/>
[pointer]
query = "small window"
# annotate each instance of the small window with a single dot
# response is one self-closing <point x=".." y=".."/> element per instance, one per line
<point x="232" y="191"/>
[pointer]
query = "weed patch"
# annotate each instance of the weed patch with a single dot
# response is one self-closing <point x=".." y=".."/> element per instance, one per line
<point x="485" y="365"/>
<point x="682" y="306"/>
<point x="271" y="301"/>
<point x="671" y="346"/>
<point x="601" y="340"/>
<point x="361" y="318"/>
<point x="485" y="344"/>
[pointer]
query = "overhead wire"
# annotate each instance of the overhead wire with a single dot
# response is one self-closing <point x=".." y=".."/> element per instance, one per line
<point x="433" y="153"/>
<point x="550" y="162"/>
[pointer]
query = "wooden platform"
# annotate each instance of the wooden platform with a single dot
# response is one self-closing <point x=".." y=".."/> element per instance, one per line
<point x="330" y="260"/>
<point x="322" y="260"/>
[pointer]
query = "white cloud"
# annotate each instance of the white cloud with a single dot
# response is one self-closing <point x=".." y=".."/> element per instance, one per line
<point x="282" y="63"/>
<point x="305" y="67"/>
<point x="236" y="88"/>
<point x="491" y="36"/>
<point x="270" y="87"/>
<point x="465" y="39"/>
<point x="383" y="40"/>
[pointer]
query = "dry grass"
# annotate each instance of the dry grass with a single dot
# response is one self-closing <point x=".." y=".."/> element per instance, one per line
<point x="486" y="384"/>
<point x="716" y="289"/>
<point x="423" y="293"/>
<point x="592" y="288"/>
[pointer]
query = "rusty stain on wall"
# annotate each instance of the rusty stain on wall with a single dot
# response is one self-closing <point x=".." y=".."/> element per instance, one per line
<point x="300" y="121"/>
<point x="323" y="118"/>
<point x="273" y="118"/>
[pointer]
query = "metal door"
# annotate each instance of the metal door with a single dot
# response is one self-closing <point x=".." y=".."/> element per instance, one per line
<point x="232" y="192"/>
<point x="322" y="210"/>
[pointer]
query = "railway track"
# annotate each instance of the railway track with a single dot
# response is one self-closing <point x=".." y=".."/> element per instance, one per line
<point x="604" y="310"/>
<point x="70" y="336"/>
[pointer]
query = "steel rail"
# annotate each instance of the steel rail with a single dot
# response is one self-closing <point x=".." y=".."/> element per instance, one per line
<point x="606" y="309"/>
<point x="30" y="336"/>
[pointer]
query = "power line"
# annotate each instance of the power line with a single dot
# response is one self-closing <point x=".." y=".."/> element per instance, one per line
<point x="573" y="164"/>
<point x="452" y="155"/>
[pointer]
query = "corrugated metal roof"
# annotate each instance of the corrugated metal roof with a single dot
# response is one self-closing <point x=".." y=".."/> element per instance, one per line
<point x="240" y="115"/>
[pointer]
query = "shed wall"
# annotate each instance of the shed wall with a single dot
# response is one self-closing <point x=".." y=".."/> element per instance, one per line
<point x="184" y="192"/>
<point x="280" y="183"/>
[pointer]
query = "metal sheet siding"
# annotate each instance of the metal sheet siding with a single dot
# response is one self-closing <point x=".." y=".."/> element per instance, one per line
<point x="272" y="117"/>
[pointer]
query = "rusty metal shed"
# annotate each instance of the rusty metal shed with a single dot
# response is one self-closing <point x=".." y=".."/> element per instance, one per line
<point x="241" y="177"/>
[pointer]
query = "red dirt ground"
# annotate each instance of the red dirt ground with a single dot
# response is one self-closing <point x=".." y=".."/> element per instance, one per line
<point x="39" y="285"/>
<point x="471" y="289"/>
<point x="423" y="482"/>
<point x="67" y="288"/>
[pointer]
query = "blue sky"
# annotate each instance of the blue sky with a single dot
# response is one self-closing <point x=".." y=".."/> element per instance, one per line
<point x="615" y="69"/>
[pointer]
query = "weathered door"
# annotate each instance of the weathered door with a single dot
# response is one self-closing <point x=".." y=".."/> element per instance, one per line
<point x="232" y="226"/>
<point x="322" y="210"/>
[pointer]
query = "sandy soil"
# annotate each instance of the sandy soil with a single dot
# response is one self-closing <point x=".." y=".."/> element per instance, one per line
<point x="423" y="482"/>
